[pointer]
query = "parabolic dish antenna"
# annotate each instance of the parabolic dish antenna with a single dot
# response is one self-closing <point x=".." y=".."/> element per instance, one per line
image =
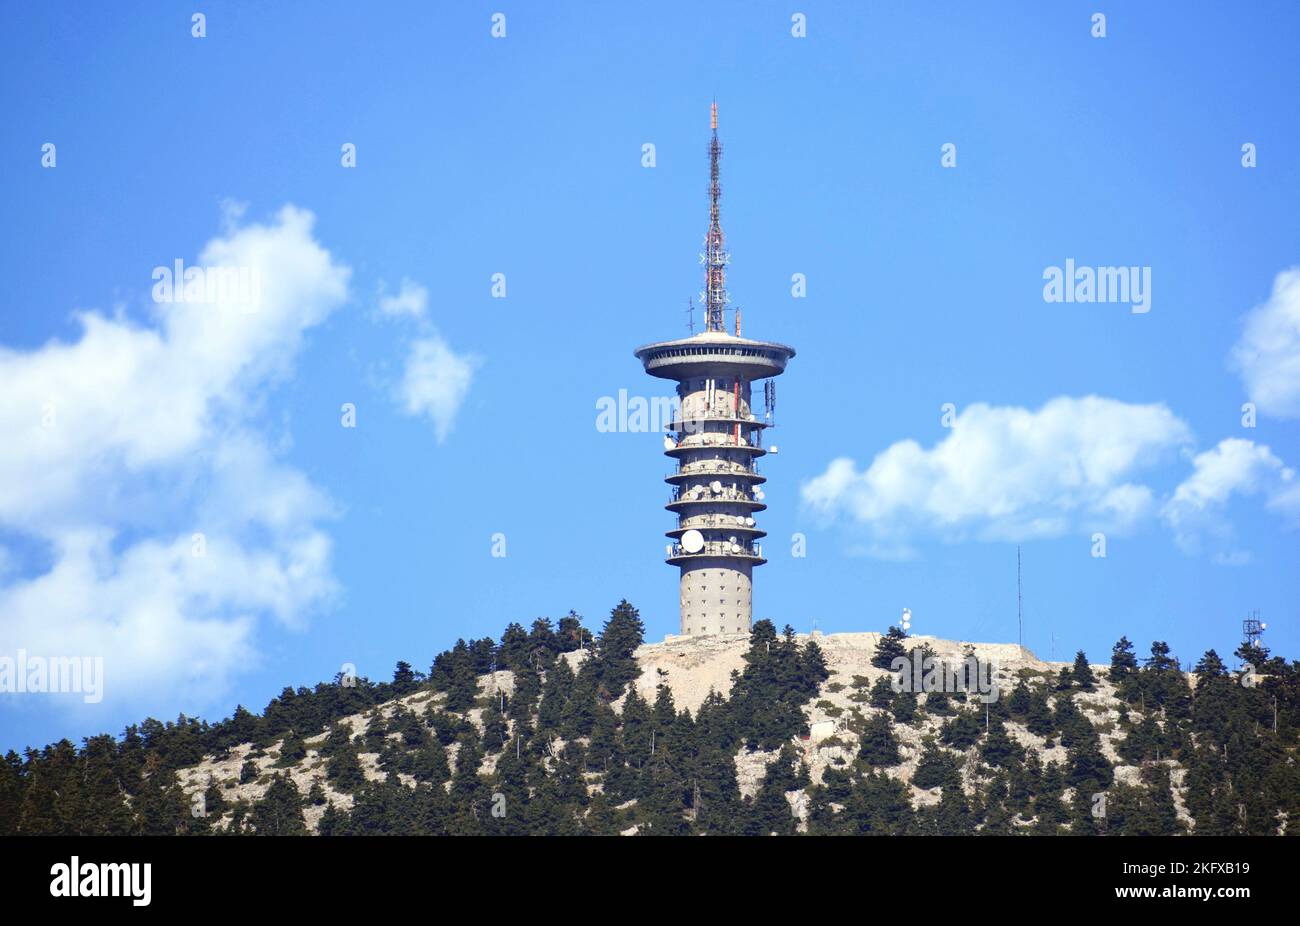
<point x="669" y="443"/>
<point x="716" y="486"/>
<point x="692" y="541"/>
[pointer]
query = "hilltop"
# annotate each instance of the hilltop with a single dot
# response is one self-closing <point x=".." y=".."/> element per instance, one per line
<point x="557" y="730"/>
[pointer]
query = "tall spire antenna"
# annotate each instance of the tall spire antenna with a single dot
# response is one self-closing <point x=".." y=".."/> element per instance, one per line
<point x="715" y="257"/>
<point x="1020" y="614"/>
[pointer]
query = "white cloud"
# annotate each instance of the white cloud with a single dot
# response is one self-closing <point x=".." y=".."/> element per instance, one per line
<point x="435" y="382"/>
<point x="1007" y="472"/>
<point x="122" y="445"/>
<point x="411" y="300"/>
<point x="1268" y="354"/>
<point x="435" y="379"/>
<point x="1234" y="467"/>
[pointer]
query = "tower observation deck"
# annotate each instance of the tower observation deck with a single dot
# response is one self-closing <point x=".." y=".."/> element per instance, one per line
<point x="716" y="442"/>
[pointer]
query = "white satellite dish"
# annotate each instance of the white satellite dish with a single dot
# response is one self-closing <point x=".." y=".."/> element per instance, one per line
<point x="669" y="443"/>
<point x="731" y="540"/>
<point x="772" y="449"/>
<point x="758" y="493"/>
<point x="716" y="486"/>
<point x="692" y="541"/>
<point x="735" y="548"/>
<point x="749" y="522"/>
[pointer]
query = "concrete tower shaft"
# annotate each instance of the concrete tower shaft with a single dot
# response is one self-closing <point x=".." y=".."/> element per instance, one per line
<point x="716" y="441"/>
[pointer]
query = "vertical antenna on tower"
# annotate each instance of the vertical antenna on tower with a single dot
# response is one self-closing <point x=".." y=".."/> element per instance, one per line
<point x="1252" y="628"/>
<point x="1020" y="616"/>
<point x="715" y="257"/>
<point x="690" y="315"/>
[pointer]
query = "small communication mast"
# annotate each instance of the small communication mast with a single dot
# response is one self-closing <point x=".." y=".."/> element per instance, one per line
<point x="1252" y="628"/>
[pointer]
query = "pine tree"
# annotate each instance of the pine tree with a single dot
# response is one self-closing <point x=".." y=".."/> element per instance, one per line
<point x="292" y="750"/>
<point x="890" y="648"/>
<point x="1082" y="673"/>
<point x="1123" y="664"/>
<point x="404" y="680"/>
<point x="882" y="693"/>
<point x="962" y="731"/>
<point x="879" y="745"/>
<point x="619" y="639"/>
<point x="214" y="802"/>
<point x="601" y="819"/>
<point x="998" y="749"/>
<point x="333" y="822"/>
<point x="904" y="707"/>
<point x="1038" y="720"/>
<point x="343" y="770"/>
<point x="770" y="813"/>
<point x="279" y="812"/>
<point x="1210" y="666"/>
<point x="1019" y="702"/>
<point x="934" y="766"/>
<point x="162" y="808"/>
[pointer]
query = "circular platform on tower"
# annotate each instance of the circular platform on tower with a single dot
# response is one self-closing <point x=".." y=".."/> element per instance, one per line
<point x="718" y="353"/>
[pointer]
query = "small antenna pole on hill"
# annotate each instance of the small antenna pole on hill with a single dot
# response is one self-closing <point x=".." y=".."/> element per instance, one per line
<point x="1020" y="617"/>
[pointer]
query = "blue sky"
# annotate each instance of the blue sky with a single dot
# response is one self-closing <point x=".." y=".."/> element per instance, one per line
<point x="476" y="415"/>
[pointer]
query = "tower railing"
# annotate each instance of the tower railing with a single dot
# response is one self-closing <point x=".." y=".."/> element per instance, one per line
<point x="720" y="548"/>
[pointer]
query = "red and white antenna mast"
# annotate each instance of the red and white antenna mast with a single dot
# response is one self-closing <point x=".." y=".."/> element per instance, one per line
<point x="715" y="256"/>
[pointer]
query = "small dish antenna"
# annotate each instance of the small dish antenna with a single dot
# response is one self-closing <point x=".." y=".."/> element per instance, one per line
<point x="692" y="541"/>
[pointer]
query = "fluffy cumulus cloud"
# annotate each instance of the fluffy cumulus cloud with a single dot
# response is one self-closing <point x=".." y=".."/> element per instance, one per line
<point x="1007" y="473"/>
<point x="1234" y="467"/>
<point x="411" y="300"/>
<point x="1268" y="354"/>
<point x="435" y="382"/>
<point x="149" y="520"/>
<point x="435" y="379"/>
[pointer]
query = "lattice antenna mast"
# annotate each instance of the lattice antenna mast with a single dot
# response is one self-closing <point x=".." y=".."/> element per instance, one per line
<point x="1252" y="628"/>
<point x="715" y="255"/>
